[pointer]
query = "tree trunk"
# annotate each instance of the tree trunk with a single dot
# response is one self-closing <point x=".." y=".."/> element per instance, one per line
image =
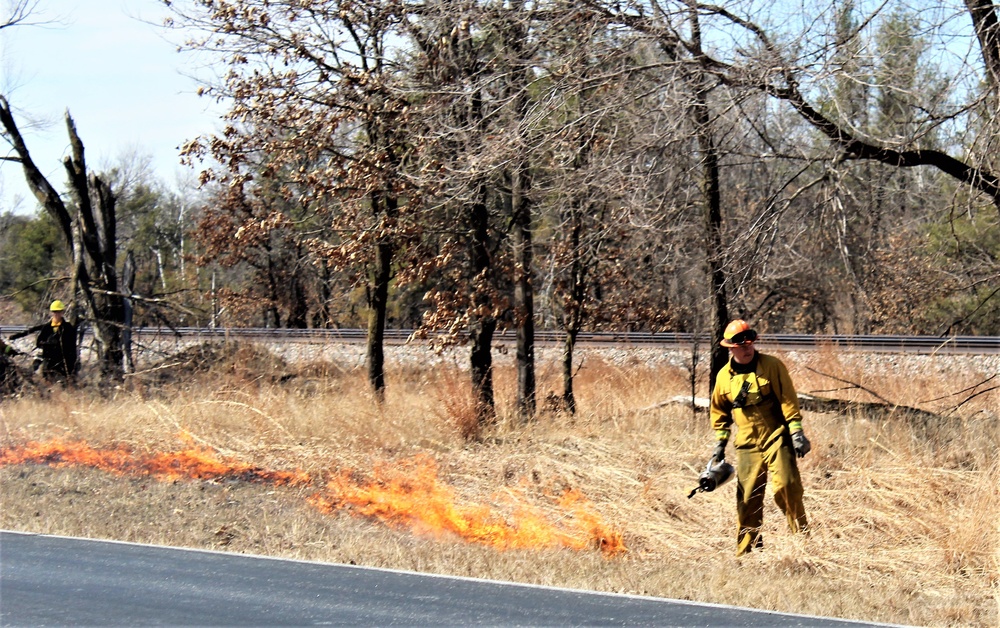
<point x="481" y="363"/>
<point x="272" y="317"/>
<point x="569" y="344"/>
<point x="984" y="20"/>
<point x="483" y="325"/>
<point x="518" y="180"/>
<point x="713" y="234"/>
<point x="322" y="318"/>
<point x="101" y="289"/>
<point x="711" y="190"/>
<point x="378" y="307"/>
<point x="298" y="308"/>
<point x="379" y="303"/>
<point x="573" y="316"/>
<point x="128" y="285"/>
<point x="524" y="298"/>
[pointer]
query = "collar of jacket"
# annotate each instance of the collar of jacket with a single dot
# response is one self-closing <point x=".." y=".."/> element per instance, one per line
<point x="744" y="369"/>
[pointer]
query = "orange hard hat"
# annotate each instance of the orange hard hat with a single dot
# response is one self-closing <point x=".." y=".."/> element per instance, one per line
<point x="738" y="332"/>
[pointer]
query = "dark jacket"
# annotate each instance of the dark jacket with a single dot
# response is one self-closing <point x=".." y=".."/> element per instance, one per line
<point x="58" y="345"/>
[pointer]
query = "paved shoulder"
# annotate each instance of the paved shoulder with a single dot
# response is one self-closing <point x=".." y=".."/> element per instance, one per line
<point x="47" y="580"/>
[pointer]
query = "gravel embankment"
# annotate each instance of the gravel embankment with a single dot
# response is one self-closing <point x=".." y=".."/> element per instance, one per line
<point x="351" y="355"/>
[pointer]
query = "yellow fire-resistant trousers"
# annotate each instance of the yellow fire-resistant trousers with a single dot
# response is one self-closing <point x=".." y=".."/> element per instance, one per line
<point x="776" y="457"/>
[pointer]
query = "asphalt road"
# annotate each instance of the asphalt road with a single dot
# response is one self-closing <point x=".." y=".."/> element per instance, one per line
<point x="58" y="581"/>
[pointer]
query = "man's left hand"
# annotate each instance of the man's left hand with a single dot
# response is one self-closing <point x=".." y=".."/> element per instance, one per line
<point x="800" y="443"/>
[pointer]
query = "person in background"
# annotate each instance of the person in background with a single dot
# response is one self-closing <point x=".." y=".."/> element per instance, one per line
<point x="755" y="392"/>
<point x="57" y="341"/>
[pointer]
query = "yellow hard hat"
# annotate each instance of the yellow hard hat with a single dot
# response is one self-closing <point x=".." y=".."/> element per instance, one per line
<point x="737" y="333"/>
<point x="57" y="306"/>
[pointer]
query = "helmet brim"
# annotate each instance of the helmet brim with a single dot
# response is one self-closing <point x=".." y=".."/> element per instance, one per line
<point x="746" y="337"/>
<point x="730" y="345"/>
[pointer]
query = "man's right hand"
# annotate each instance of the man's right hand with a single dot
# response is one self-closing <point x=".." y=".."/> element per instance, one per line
<point x="719" y="454"/>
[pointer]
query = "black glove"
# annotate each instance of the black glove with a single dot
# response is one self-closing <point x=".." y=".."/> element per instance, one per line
<point x="719" y="453"/>
<point x="800" y="443"/>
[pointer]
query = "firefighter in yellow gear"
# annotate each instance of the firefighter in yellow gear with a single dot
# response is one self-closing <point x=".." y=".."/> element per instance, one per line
<point x="755" y="392"/>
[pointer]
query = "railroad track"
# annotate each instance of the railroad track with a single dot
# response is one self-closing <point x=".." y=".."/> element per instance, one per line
<point x="982" y="345"/>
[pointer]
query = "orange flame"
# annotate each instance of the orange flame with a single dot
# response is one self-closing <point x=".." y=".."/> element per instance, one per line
<point x="196" y="463"/>
<point x="412" y="497"/>
<point x="408" y="496"/>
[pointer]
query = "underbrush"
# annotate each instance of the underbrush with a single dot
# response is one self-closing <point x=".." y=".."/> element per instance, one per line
<point x="903" y="512"/>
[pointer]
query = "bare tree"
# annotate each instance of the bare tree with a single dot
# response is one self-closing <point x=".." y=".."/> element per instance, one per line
<point x="904" y="132"/>
<point x="90" y="230"/>
<point x="515" y="24"/>
<point x="475" y="76"/>
<point x="773" y="72"/>
<point x="450" y="63"/>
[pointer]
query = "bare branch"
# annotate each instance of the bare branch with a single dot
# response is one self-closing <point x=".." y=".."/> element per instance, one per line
<point x="44" y="192"/>
<point x="18" y="13"/>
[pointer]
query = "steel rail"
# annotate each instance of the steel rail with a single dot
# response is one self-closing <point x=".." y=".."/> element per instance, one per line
<point x="986" y="345"/>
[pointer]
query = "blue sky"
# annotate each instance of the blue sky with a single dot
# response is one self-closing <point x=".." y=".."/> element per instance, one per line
<point x="122" y="79"/>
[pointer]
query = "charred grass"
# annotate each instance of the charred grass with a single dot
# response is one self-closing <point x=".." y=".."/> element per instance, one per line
<point x="904" y="511"/>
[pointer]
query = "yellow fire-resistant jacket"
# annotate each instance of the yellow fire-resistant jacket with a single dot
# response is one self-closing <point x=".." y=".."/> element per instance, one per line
<point x="770" y="403"/>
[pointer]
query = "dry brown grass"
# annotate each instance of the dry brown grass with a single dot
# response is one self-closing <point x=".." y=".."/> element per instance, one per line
<point x="905" y="514"/>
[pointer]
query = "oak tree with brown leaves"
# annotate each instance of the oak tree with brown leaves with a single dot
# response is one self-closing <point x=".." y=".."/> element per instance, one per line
<point x="313" y="82"/>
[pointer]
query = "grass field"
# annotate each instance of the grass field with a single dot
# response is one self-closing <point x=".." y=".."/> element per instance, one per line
<point x="246" y="453"/>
